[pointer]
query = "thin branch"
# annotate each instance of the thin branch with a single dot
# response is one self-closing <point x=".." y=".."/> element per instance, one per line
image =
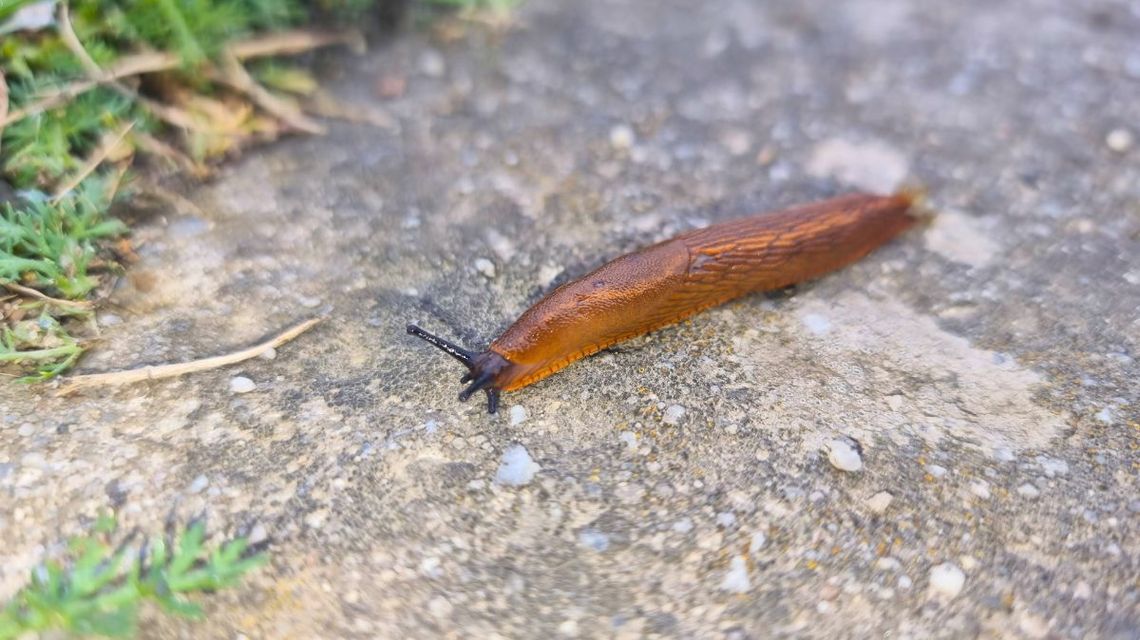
<point x="234" y="74"/>
<point x="75" y="383"/>
<point x="3" y="101"/>
<point x="29" y="292"/>
<point x="152" y="145"/>
<point x="286" y="43"/>
<point x="325" y="106"/>
<point x="110" y="143"/>
<point x="67" y="33"/>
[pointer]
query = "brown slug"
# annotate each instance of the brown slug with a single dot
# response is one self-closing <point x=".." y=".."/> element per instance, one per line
<point x="672" y="280"/>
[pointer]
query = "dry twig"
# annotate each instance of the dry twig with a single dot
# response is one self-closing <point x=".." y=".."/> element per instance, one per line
<point x="234" y="74"/>
<point x="3" y="101"/>
<point x="286" y="43"/>
<point x="111" y="142"/>
<point x="78" y="305"/>
<point x="76" y="383"/>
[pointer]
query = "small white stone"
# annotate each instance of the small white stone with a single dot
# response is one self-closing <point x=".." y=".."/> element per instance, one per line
<point x="905" y="582"/>
<point x="516" y="468"/>
<point x="630" y="439"/>
<point x="432" y="64"/>
<point x="946" y="580"/>
<point x="1052" y="466"/>
<point x="594" y="539"/>
<point x="936" y="470"/>
<point x="757" y="542"/>
<point x="268" y="354"/>
<point x="683" y="526"/>
<point x="199" y="483"/>
<point x="316" y="519"/>
<point x="241" y="384"/>
<point x="1028" y="490"/>
<point x="518" y="415"/>
<point x="439" y="607"/>
<point x="887" y="563"/>
<point x="485" y="267"/>
<point x="725" y="519"/>
<point x="1082" y="591"/>
<point x="879" y="502"/>
<point x="429" y="566"/>
<point x="1119" y="140"/>
<point x="1105" y="416"/>
<point x="673" y="414"/>
<point x="309" y="302"/>
<point x="568" y="628"/>
<point x="736" y="578"/>
<point x="870" y="166"/>
<point x="1032" y="626"/>
<point x="980" y="488"/>
<point x="843" y="456"/>
<point x="1004" y="454"/>
<point x="816" y="324"/>
<point x="621" y="137"/>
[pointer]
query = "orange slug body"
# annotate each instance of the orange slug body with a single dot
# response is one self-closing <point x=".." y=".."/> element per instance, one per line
<point x="672" y="280"/>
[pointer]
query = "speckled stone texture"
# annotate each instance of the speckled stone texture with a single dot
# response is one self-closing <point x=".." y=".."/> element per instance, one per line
<point x="680" y="485"/>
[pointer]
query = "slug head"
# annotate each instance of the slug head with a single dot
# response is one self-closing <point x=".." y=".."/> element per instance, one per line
<point x="482" y="368"/>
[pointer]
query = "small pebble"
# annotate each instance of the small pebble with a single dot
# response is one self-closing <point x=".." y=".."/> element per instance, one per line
<point x="725" y="519"/>
<point x="439" y="607"/>
<point x="1119" y="140"/>
<point x="880" y="501"/>
<point x="843" y="456"/>
<point x="1052" y="466"/>
<point x="268" y="354"/>
<point x="594" y="539"/>
<point x="757" y="542"/>
<point x="241" y="384"/>
<point x="432" y="64"/>
<point x="736" y="579"/>
<point x="485" y="267"/>
<point x="1082" y="591"/>
<point x="946" y="580"/>
<point x="673" y="414"/>
<point x="517" y="468"/>
<point x="621" y="137"/>
<point x="936" y="471"/>
<point x="684" y="525"/>
<point x="981" y="489"/>
<point x="199" y="483"/>
<point x="817" y="324"/>
<point x="568" y="628"/>
<point x="518" y="415"/>
<point x="1028" y="490"/>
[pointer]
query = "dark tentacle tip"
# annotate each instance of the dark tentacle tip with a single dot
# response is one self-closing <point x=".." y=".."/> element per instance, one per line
<point x="482" y="368"/>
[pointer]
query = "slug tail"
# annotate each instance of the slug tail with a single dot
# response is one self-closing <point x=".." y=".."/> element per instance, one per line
<point x="918" y="204"/>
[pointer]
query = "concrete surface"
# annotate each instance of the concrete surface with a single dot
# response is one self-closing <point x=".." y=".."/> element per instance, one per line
<point x="679" y="486"/>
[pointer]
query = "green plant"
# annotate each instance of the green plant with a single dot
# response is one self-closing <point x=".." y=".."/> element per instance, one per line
<point x="97" y="588"/>
<point x="49" y="245"/>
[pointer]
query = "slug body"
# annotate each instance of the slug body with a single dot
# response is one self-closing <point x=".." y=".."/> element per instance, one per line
<point x="672" y="280"/>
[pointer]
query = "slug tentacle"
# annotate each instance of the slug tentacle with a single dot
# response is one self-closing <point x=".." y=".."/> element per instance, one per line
<point x="483" y="369"/>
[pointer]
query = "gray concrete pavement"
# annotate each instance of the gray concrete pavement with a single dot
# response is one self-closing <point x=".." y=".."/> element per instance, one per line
<point x="679" y="486"/>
